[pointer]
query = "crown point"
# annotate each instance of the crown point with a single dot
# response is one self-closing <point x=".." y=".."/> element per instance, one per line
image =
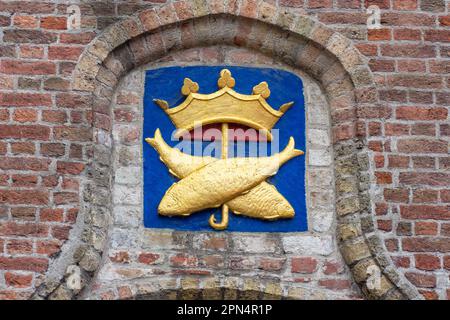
<point x="226" y="80"/>
<point x="189" y="86"/>
<point x="262" y="89"/>
<point x="285" y="107"/>
<point x="161" y="103"/>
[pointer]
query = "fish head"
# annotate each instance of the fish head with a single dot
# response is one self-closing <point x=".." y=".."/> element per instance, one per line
<point x="284" y="209"/>
<point x="170" y="205"/>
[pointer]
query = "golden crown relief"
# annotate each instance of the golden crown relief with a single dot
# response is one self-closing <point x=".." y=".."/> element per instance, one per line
<point x="238" y="183"/>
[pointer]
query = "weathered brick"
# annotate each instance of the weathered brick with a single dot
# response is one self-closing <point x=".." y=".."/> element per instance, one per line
<point x="24" y="263"/>
<point x="428" y="244"/>
<point x="18" y="280"/>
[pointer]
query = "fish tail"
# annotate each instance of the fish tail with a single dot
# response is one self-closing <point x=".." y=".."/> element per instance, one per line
<point x="157" y="141"/>
<point x="290" y="152"/>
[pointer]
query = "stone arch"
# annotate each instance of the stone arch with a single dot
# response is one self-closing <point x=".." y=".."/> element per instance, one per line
<point x="298" y="40"/>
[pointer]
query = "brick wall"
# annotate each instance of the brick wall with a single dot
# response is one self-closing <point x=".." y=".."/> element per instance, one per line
<point x="46" y="131"/>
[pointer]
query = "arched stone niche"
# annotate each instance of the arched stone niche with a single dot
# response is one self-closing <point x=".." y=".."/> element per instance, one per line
<point x="323" y="56"/>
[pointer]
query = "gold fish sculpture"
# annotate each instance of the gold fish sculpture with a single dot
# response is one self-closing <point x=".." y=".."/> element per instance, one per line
<point x="208" y="182"/>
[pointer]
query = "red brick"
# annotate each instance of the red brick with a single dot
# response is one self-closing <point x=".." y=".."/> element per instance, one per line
<point x="20" y="99"/>
<point x="423" y="228"/>
<point x="422" y="146"/>
<point x="69" y="167"/>
<point x="50" y="181"/>
<point x="77" y="38"/>
<point x="271" y="264"/>
<point x="427" y="262"/>
<point x="33" y="52"/>
<point x="367" y="49"/>
<point x="52" y="149"/>
<point x="429" y="294"/>
<point x="317" y="4"/>
<point x="73" y="133"/>
<point x="14" y="247"/>
<point x="447" y="262"/>
<point x="335" y="284"/>
<point x="401" y="262"/>
<point x="342" y="18"/>
<point x="444" y="20"/>
<point x="65" y="197"/>
<point x="384" y="225"/>
<point x="54" y="23"/>
<point x="411" y="66"/>
<point x="437" y="35"/>
<point x="382" y="4"/>
<point x="24" y="131"/>
<point x="415" y="81"/>
<point x="445" y="195"/>
<point x="379" y="160"/>
<point x="25" y="22"/>
<point x="32" y="7"/>
<point x="425" y="212"/>
<point x="29" y="36"/>
<point x="20" y="180"/>
<point x="23" y="213"/>
<point x="25" y="115"/>
<point x="378" y="65"/>
<point x="408" y="50"/>
<point x="421" y="280"/>
<point x="391" y="245"/>
<point x="424" y="178"/>
<point x="22" y="148"/>
<point x="27" y="67"/>
<point x="71" y="215"/>
<point x="64" y="53"/>
<point x="124" y="292"/>
<point x="420" y="97"/>
<point x="423" y="129"/>
<point x="23" y="229"/>
<point x="54" y="215"/>
<point x="406" y="19"/>
<point x="407" y="34"/>
<point x="423" y="162"/>
<point x="405" y="4"/>
<point x="379" y="34"/>
<point x="383" y="177"/>
<point x="48" y="247"/>
<point x="393" y="95"/>
<point x="152" y="258"/>
<point x="381" y="209"/>
<point x="24" y="263"/>
<point x="56" y="84"/>
<point x="183" y="260"/>
<point x="333" y="267"/>
<point x="54" y="116"/>
<point x="421" y="113"/>
<point x="61" y="232"/>
<point x="396" y="195"/>
<point x="420" y="196"/>
<point x="23" y="197"/>
<point x="122" y="257"/>
<point x="19" y="163"/>
<point x="428" y="244"/>
<point x="395" y="161"/>
<point x="18" y="280"/>
<point x="375" y="146"/>
<point x="303" y="265"/>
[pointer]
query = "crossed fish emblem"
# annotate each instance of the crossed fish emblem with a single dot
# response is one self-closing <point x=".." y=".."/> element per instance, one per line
<point x="237" y="184"/>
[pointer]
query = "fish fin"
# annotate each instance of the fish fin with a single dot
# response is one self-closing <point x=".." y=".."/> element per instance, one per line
<point x="173" y="173"/>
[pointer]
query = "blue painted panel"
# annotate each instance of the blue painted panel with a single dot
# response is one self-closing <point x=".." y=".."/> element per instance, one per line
<point x="166" y="83"/>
